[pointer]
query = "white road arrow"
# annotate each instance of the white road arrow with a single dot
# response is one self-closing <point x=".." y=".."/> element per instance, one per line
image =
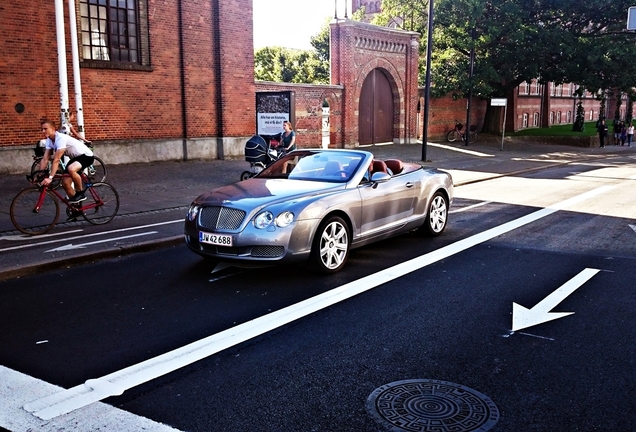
<point x="633" y="227"/>
<point x="83" y="245"/>
<point x="523" y="317"/>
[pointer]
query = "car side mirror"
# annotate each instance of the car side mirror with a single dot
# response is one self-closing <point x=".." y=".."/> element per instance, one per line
<point x="380" y="177"/>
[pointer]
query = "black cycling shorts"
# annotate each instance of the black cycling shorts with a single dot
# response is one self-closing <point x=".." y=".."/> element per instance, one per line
<point x="84" y="160"/>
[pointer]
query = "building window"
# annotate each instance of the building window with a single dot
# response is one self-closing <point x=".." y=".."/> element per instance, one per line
<point x="558" y="118"/>
<point x="525" y="120"/>
<point x="569" y="117"/>
<point x="552" y="89"/>
<point x="551" y="117"/>
<point x="535" y="87"/>
<point x="114" y="31"/>
<point x="559" y="90"/>
<point x="591" y="114"/>
<point x="535" y="119"/>
<point x="524" y="88"/>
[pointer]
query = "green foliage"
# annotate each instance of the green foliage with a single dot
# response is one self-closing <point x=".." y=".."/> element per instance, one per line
<point x="279" y="64"/>
<point x="581" y="41"/>
<point x="579" y="121"/>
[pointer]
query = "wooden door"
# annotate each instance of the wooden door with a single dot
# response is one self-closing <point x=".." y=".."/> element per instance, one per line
<point x="375" y="119"/>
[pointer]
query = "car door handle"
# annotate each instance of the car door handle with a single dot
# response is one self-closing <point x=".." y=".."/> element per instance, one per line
<point x="409" y="184"/>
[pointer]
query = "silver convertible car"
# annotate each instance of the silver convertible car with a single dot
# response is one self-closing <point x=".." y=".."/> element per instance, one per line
<point x="317" y="205"/>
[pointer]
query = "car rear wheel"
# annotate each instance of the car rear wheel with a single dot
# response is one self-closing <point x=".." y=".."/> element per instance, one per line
<point x="437" y="215"/>
<point x="331" y="245"/>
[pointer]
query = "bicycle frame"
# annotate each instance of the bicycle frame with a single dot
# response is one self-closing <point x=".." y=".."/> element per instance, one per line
<point x="89" y="186"/>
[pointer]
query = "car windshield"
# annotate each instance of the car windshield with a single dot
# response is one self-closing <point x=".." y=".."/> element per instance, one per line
<point x="336" y="167"/>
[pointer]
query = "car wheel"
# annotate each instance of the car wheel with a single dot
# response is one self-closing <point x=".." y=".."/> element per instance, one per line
<point x="437" y="215"/>
<point x="331" y="245"/>
<point x="245" y="175"/>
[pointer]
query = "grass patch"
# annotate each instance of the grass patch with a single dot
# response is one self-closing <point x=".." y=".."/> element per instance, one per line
<point x="564" y="130"/>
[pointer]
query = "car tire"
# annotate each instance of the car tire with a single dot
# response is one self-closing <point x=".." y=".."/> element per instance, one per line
<point x="245" y="175"/>
<point x="436" y="216"/>
<point x="331" y="245"/>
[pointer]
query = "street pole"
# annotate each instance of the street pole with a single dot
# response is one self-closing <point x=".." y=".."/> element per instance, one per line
<point x="427" y="90"/>
<point x="470" y="86"/>
<point x="61" y="61"/>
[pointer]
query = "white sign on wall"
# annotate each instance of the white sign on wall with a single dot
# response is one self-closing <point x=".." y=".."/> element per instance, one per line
<point x="498" y="102"/>
<point x="631" y="18"/>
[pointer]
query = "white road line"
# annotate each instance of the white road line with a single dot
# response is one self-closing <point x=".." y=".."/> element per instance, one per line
<point x="116" y="383"/>
<point x="89" y="235"/>
<point x="16" y="389"/>
<point x="83" y="245"/>
<point x="470" y="207"/>
<point x="20" y="237"/>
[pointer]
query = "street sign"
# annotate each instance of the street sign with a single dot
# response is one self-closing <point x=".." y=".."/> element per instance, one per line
<point x="631" y="18"/>
<point x="498" y="102"/>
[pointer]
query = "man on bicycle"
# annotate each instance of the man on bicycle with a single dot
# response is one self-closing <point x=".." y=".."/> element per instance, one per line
<point x="59" y="145"/>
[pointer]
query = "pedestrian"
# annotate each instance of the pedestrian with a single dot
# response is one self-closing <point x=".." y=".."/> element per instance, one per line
<point x="623" y="134"/>
<point x="616" y="129"/>
<point x="59" y="145"/>
<point x="630" y="134"/>
<point x="288" y="139"/>
<point x="602" y="132"/>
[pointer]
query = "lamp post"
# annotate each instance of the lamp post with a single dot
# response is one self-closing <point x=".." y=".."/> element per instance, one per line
<point x="470" y="85"/>
<point x="427" y="90"/>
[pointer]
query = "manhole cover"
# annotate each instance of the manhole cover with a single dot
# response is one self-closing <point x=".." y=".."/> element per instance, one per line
<point x="431" y="405"/>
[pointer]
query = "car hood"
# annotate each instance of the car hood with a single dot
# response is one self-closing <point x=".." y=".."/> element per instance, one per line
<point x="256" y="192"/>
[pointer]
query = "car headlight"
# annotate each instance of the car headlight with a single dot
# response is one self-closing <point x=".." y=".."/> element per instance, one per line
<point x="284" y="219"/>
<point x="263" y="220"/>
<point x="193" y="211"/>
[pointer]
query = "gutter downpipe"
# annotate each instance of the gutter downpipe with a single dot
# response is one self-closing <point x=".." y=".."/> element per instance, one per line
<point x="61" y="61"/>
<point x="184" y="118"/>
<point x="218" y="69"/>
<point x="77" y="82"/>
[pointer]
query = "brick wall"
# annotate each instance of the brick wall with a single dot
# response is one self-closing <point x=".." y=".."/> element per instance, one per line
<point x="129" y="104"/>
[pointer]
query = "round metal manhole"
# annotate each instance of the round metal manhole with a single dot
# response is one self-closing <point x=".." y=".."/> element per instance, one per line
<point x="430" y="405"/>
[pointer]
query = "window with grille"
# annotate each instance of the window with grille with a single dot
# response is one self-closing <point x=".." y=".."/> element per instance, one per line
<point x="535" y="119"/>
<point x="525" y="120"/>
<point x="110" y="30"/>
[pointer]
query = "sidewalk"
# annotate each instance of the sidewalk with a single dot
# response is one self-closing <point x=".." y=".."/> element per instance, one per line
<point x="164" y="185"/>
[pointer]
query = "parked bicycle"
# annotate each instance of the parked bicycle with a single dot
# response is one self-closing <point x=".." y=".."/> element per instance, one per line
<point x="36" y="210"/>
<point x="457" y="133"/>
<point x="95" y="173"/>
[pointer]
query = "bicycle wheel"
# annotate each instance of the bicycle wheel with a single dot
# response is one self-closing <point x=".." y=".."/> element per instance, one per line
<point x="97" y="172"/>
<point x="452" y="136"/>
<point x="101" y="205"/>
<point x="33" y="211"/>
<point x="35" y="167"/>
<point x="472" y="137"/>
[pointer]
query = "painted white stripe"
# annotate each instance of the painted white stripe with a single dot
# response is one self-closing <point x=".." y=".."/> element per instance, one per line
<point x="89" y="235"/>
<point x="116" y="383"/>
<point x="16" y="389"/>
<point x="83" y="245"/>
<point x="470" y="207"/>
<point x="21" y="237"/>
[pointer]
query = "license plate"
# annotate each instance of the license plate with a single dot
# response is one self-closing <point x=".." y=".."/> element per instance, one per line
<point x="215" y="239"/>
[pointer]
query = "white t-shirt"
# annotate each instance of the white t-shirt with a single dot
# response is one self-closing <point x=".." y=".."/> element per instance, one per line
<point x="73" y="147"/>
<point x="630" y="130"/>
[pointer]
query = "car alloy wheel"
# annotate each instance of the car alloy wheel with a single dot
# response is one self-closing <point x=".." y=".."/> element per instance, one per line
<point x="331" y="245"/>
<point x="437" y="214"/>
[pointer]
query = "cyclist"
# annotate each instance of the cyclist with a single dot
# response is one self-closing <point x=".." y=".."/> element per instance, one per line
<point x="59" y="145"/>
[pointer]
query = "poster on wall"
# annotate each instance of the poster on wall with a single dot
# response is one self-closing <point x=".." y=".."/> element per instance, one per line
<point x="272" y="109"/>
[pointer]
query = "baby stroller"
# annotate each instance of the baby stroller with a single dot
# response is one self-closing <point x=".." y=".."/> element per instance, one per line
<point x="259" y="153"/>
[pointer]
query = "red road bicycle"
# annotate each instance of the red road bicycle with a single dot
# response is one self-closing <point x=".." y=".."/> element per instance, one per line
<point x="35" y="210"/>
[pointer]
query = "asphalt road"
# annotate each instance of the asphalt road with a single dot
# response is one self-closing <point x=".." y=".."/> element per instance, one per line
<point x="448" y="319"/>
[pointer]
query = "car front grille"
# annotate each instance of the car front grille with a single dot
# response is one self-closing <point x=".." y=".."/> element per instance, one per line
<point x="246" y="251"/>
<point x="221" y="218"/>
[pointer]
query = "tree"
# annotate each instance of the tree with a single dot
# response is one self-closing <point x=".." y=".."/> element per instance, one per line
<point x="562" y="41"/>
